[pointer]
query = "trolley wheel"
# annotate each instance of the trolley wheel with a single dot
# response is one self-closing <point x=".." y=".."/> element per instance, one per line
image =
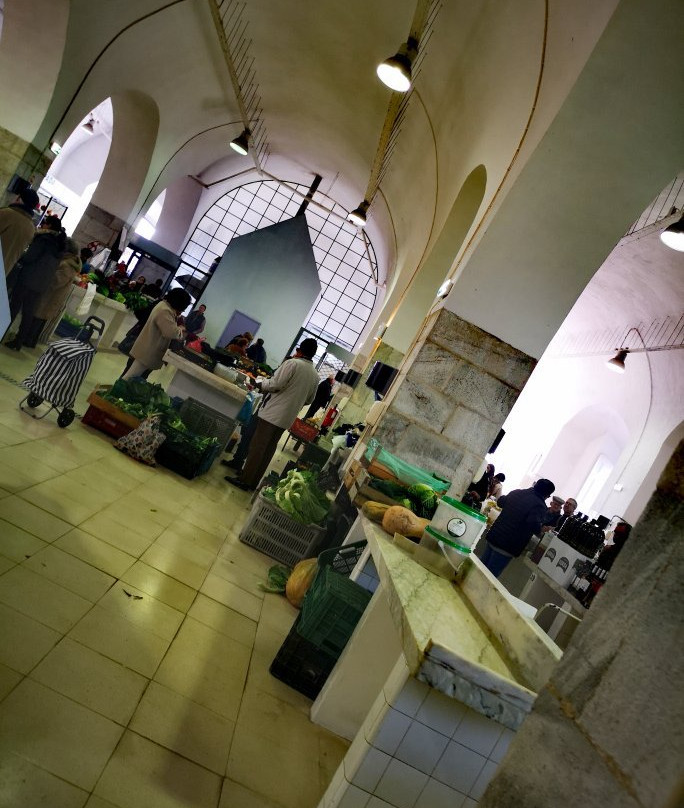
<point x="65" y="418"/>
<point x="33" y="400"/>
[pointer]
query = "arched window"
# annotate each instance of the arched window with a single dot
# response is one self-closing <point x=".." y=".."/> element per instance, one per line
<point x="345" y="258"/>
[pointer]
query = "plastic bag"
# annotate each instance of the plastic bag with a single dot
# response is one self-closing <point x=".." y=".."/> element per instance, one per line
<point x="405" y="472"/>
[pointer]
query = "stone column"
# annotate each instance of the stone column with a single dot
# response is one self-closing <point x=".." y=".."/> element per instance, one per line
<point x="453" y="393"/>
<point x="18" y="156"/>
<point x="607" y="729"/>
<point x="97" y="224"/>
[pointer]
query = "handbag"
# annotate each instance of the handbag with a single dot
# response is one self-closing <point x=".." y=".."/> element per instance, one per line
<point x="142" y="443"/>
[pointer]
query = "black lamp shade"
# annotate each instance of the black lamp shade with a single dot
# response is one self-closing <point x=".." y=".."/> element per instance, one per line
<point x="339" y="376"/>
<point x="381" y="377"/>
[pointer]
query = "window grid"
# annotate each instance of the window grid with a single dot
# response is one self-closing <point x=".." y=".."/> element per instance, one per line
<point x="343" y="264"/>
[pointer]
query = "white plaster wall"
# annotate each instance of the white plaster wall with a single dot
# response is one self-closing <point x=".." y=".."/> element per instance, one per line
<point x="81" y="166"/>
<point x="647" y="401"/>
<point x="180" y="203"/>
<point x="33" y="37"/>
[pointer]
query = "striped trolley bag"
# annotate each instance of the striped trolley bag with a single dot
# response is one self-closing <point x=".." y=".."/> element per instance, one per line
<point x="60" y="371"/>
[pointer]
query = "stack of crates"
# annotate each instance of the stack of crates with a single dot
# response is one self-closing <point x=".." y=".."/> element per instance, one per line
<point x="330" y="611"/>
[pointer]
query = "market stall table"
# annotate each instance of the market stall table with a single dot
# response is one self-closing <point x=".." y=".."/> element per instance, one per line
<point x="432" y="685"/>
<point x="192" y="381"/>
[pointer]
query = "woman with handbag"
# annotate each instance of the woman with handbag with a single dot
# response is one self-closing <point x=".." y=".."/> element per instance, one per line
<point x="162" y="326"/>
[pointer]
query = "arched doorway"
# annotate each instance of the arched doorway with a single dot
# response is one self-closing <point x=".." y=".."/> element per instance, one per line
<point x="75" y="172"/>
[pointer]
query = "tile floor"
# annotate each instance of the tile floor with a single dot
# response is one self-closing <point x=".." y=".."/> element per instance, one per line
<point x="134" y="641"/>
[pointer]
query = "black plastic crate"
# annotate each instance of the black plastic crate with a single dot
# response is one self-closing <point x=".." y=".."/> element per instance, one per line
<point x="302" y="665"/>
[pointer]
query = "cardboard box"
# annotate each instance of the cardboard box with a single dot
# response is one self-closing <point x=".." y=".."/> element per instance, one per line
<point x="559" y="560"/>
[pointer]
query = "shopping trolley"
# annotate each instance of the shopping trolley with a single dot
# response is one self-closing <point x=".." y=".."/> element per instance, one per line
<point x="60" y="371"/>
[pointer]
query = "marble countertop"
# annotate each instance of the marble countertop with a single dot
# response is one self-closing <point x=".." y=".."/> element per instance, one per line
<point x="204" y="376"/>
<point x="463" y="638"/>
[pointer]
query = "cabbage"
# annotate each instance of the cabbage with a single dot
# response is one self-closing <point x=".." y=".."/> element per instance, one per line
<point x="298" y="495"/>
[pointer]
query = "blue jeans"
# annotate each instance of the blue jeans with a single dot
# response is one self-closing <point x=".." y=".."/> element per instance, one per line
<point x="495" y="561"/>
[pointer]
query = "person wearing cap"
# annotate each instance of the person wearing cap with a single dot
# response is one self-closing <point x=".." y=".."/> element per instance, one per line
<point x="521" y="517"/>
<point x="553" y="513"/>
<point x="569" y="507"/>
<point x="292" y="386"/>
<point x="54" y="297"/>
<point x="17" y="228"/>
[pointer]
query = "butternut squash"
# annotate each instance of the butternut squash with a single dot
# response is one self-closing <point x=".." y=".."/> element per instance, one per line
<point x="374" y="510"/>
<point x="401" y="520"/>
<point x="300" y="580"/>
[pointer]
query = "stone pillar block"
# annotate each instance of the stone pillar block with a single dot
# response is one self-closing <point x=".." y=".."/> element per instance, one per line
<point x="451" y="397"/>
<point x="18" y="156"/>
<point x="608" y="728"/>
<point x="98" y="225"/>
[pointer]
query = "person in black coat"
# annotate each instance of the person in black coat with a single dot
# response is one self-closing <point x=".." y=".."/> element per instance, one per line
<point x="523" y="512"/>
<point x="33" y="274"/>
<point x="322" y="397"/>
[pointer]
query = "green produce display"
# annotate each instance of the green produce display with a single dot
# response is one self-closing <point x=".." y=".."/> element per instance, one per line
<point x="142" y="399"/>
<point x="299" y="496"/>
<point x="67" y="318"/>
<point x="419" y="498"/>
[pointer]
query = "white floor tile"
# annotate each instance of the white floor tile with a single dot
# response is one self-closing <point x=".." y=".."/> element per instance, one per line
<point x="24" y="641"/>
<point x="224" y="620"/>
<point x="16" y="543"/>
<point x="99" y="554"/>
<point x="142" y="610"/>
<point x="22" y="783"/>
<point x="141" y="773"/>
<point x="70" y="572"/>
<point x="57" y="734"/>
<point x="206" y="667"/>
<point x="111" y="634"/>
<point x="34" y="520"/>
<point x="160" y="586"/>
<point x="184" y="726"/>
<point x="232" y="596"/>
<point x="92" y="680"/>
<point x="41" y="599"/>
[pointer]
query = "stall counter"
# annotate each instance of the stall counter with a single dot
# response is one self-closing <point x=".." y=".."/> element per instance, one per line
<point x="192" y="381"/>
<point x="446" y="692"/>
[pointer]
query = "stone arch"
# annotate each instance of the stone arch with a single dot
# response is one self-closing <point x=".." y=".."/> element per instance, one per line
<point x="648" y="484"/>
<point x="596" y="430"/>
<point x="29" y="73"/>
<point x="134" y="135"/>
<point x="420" y="294"/>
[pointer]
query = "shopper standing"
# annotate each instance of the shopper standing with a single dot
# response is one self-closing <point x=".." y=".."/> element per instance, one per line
<point x="162" y="326"/>
<point x="35" y="274"/>
<point x="521" y="517"/>
<point x="17" y="228"/>
<point x="292" y="386"/>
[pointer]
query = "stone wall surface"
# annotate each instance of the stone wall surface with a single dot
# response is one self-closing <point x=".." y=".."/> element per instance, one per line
<point x="452" y="395"/>
<point x="609" y="728"/>
<point x="17" y="156"/>
<point x="98" y="225"/>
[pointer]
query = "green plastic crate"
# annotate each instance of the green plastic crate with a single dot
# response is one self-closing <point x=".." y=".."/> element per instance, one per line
<point x="331" y="609"/>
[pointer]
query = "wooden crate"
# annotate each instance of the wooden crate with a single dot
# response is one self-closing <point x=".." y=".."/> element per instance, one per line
<point x="107" y="417"/>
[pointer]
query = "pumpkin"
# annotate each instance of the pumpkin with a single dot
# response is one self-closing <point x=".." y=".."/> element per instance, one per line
<point x="403" y="521"/>
<point x="374" y="510"/>
<point x="300" y="580"/>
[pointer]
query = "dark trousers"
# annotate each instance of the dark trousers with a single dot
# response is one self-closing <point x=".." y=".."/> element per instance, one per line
<point x="25" y="301"/>
<point x="495" y="561"/>
<point x="261" y="450"/>
<point x="246" y="435"/>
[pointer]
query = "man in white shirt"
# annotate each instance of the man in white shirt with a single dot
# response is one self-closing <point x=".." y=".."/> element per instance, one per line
<point x="292" y="386"/>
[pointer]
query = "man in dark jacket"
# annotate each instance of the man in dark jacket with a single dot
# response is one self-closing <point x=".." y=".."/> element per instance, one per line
<point x="322" y="397"/>
<point x="522" y="514"/>
<point x="33" y="275"/>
